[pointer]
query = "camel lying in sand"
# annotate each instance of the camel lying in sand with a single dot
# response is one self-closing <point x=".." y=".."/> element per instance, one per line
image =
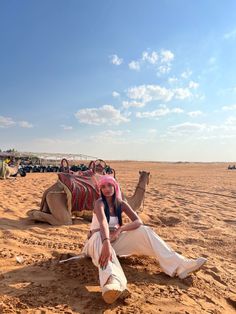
<point x="58" y="207"/>
<point x="7" y="171"/>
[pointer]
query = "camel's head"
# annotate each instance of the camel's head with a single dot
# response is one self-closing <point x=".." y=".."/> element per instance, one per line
<point x="144" y="176"/>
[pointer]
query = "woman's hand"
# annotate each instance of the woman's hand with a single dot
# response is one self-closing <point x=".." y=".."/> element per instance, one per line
<point x="115" y="234"/>
<point x="106" y="254"/>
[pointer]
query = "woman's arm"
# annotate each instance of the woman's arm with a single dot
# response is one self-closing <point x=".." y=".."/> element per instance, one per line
<point x="135" y="223"/>
<point x="133" y="216"/>
<point x="106" y="253"/>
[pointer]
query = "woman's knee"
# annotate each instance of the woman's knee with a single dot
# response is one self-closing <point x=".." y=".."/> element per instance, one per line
<point x="94" y="243"/>
<point x="96" y="237"/>
<point x="144" y="229"/>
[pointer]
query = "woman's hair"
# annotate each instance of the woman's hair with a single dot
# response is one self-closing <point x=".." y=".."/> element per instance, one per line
<point x="116" y="197"/>
<point x="116" y="204"/>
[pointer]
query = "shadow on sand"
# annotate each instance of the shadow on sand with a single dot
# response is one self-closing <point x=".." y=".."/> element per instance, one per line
<point x="73" y="286"/>
<point x="26" y="223"/>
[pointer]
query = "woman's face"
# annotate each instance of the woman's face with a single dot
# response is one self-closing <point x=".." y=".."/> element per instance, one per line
<point x="107" y="189"/>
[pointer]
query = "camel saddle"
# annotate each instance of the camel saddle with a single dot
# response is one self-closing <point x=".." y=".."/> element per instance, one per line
<point x="81" y="188"/>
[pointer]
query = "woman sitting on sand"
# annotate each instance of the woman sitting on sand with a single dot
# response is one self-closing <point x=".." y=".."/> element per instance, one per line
<point x="109" y="238"/>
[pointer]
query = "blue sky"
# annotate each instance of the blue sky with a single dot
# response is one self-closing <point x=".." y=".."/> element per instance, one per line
<point x="145" y="80"/>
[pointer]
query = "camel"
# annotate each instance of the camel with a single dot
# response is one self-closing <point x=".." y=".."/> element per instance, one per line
<point x="7" y="171"/>
<point x="55" y="207"/>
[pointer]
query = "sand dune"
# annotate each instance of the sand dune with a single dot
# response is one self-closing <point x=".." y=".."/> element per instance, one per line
<point x="191" y="206"/>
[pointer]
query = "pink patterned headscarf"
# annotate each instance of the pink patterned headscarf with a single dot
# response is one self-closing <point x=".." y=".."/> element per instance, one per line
<point x="109" y="179"/>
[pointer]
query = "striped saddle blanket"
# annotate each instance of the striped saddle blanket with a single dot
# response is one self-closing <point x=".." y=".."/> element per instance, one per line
<point x="83" y="189"/>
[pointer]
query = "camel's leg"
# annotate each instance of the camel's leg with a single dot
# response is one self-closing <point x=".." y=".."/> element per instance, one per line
<point x="41" y="216"/>
<point x="7" y="175"/>
<point x="57" y="203"/>
<point x="43" y="205"/>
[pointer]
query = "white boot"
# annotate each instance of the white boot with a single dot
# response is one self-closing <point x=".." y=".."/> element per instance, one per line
<point x="113" y="290"/>
<point x="191" y="266"/>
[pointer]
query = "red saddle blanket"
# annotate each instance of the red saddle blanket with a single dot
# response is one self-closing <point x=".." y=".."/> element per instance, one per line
<point x="83" y="187"/>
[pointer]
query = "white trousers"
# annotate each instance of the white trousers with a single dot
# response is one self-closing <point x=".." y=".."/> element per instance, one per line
<point x="141" y="241"/>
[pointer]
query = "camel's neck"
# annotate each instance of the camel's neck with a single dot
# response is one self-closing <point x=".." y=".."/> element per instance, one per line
<point x="140" y="191"/>
<point x="141" y="185"/>
<point x="136" y="200"/>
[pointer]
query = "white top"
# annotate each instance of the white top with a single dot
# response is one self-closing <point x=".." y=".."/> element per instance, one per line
<point x="95" y="223"/>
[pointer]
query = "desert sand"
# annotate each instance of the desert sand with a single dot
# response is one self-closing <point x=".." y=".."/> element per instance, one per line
<point x="192" y="206"/>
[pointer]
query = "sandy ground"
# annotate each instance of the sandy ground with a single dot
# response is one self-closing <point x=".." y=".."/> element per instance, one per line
<point x="191" y="206"/>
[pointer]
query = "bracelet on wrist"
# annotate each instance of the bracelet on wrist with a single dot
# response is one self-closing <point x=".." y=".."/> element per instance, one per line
<point x="105" y="239"/>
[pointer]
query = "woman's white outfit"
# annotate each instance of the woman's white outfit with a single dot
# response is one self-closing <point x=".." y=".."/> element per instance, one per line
<point x="140" y="241"/>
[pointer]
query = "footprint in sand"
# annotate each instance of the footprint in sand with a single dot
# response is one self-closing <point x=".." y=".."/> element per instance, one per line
<point x="169" y="220"/>
<point x="230" y="221"/>
<point x="194" y="241"/>
<point x="216" y="277"/>
<point x="232" y="302"/>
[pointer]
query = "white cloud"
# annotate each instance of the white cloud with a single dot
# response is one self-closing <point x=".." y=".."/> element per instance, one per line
<point x="218" y="136"/>
<point x="231" y="121"/>
<point x="147" y="93"/>
<point x="115" y="94"/>
<point x="152" y="131"/>
<point x="227" y="91"/>
<point x="182" y="93"/>
<point x="230" y="35"/>
<point x="187" y="127"/>
<point x="134" y="65"/>
<point x="172" y="80"/>
<point x="176" y="110"/>
<point x="96" y="116"/>
<point x="66" y="127"/>
<point x="111" y="136"/>
<point x="167" y="56"/>
<point x="25" y="124"/>
<point x="114" y="59"/>
<point x="195" y="113"/>
<point x="228" y="108"/>
<point x="127" y="104"/>
<point x="160" y="112"/>
<point x="186" y="74"/>
<point x="193" y="85"/>
<point x="151" y="57"/>
<point x="6" y="122"/>
<point x="164" y="69"/>
<point x="161" y="61"/>
<point x="200" y="96"/>
<point x="113" y="132"/>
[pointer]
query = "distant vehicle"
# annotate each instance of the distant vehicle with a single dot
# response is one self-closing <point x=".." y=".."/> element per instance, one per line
<point x="63" y="168"/>
<point x="28" y="168"/>
<point x="51" y="168"/>
<point x="81" y="167"/>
